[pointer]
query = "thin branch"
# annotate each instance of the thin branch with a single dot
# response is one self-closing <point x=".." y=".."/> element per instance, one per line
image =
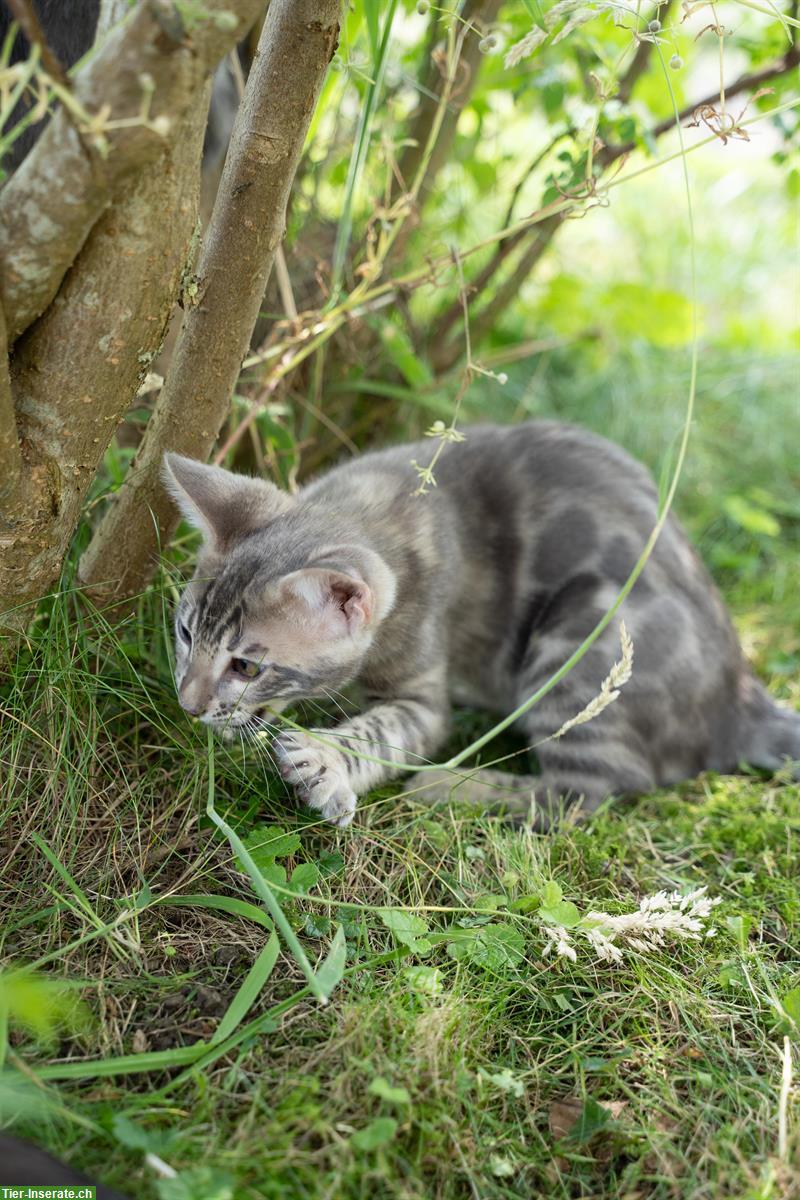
<point x="446" y="353"/>
<point x="505" y="247"/>
<point x="25" y="15"/>
<point x="124" y="103"/>
<point x="297" y="42"/>
<point x="639" y="63"/>
<point x="478" y="13"/>
<point x="745" y="83"/>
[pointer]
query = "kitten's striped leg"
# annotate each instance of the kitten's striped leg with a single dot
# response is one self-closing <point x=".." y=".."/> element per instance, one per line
<point x="330" y="768"/>
<point x="590" y="762"/>
<point x="605" y="756"/>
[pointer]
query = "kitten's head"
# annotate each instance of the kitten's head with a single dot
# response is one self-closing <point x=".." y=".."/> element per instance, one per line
<point x="278" y="609"/>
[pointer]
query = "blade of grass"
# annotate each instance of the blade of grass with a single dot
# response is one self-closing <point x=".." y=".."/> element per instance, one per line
<point x="359" y="154"/>
<point x="80" y="896"/>
<point x="126" y="1064"/>
<point x="260" y="885"/>
<point x="248" y="993"/>
<point x="226" y="904"/>
<point x="200" y="1054"/>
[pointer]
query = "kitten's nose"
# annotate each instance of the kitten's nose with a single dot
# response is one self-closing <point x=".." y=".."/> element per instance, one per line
<point x="194" y="693"/>
<point x="191" y="705"/>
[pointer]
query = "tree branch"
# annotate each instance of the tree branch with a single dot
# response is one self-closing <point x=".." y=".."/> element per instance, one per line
<point x="503" y="249"/>
<point x="25" y="15"/>
<point x="75" y="373"/>
<point x="640" y="61"/>
<point x="445" y="354"/>
<point x="150" y="66"/>
<point x="480" y="12"/>
<point x="745" y="83"/>
<point x="247" y="226"/>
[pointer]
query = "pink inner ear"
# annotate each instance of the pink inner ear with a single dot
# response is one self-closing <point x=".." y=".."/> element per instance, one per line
<point x="353" y="599"/>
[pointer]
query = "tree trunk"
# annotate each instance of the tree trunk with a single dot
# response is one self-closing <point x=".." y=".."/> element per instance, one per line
<point x="42" y="226"/>
<point x="247" y="226"/>
<point x="78" y="369"/>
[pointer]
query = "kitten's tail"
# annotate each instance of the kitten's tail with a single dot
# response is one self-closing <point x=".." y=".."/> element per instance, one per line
<point x="769" y="734"/>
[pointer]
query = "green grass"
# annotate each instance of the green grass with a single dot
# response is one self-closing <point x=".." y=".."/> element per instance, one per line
<point x="117" y="882"/>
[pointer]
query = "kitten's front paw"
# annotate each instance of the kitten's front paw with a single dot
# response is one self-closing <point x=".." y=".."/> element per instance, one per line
<point x="318" y="775"/>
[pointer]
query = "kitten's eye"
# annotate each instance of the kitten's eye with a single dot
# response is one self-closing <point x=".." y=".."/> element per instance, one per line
<point x="184" y="632"/>
<point x="246" y="668"/>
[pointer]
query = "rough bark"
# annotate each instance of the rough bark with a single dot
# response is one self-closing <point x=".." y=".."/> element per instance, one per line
<point x="10" y="454"/>
<point x="52" y="202"/>
<point x="247" y="226"/>
<point x="77" y="370"/>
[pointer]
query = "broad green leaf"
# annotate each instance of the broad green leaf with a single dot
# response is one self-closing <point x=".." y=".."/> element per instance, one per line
<point x="392" y="1095"/>
<point x="129" y="1133"/>
<point x="317" y="926"/>
<point x="551" y="894"/>
<point x="564" y="913"/>
<point x="304" y="877"/>
<point x="198" y="1183"/>
<point x="730" y="975"/>
<point x="330" y="863"/>
<point x="378" y="1133"/>
<point x="740" y="927"/>
<point x="268" y="842"/>
<point x="331" y="970"/>
<point x="427" y="980"/>
<point x="274" y="873"/>
<point x="791" y="1005"/>
<point x="751" y="517"/>
<point x="504" y="1081"/>
<point x="591" y="1120"/>
<point x="494" y="947"/>
<point x="489" y="903"/>
<point x="407" y="928"/>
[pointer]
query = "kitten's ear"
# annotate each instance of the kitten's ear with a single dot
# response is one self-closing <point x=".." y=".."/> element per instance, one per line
<point x="341" y="602"/>
<point x="223" y="506"/>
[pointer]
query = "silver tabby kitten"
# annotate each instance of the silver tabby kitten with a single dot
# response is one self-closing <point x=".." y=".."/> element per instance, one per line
<point x="476" y="592"/>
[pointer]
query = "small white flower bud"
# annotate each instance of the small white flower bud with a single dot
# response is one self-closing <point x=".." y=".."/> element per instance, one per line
<point x="654" y="26"/>
<point x="423" y="6"/>
<point x="676" y="62"/>
<point x="488" y="44"/>
<point x="502" y="377"/>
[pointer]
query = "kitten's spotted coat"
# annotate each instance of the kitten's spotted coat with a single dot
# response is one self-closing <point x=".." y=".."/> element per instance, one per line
<point x="476" y="592"/>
